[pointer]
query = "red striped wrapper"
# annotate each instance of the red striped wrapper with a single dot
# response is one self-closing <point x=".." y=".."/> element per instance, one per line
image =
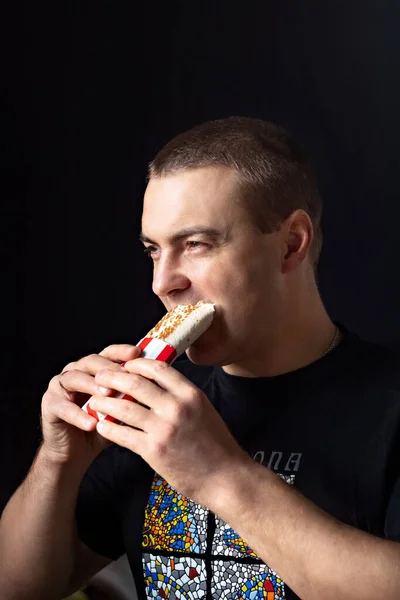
<point x="151" y="348"/>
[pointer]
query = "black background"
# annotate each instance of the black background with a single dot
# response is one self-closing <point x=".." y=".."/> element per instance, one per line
<point x="91" y="91"/>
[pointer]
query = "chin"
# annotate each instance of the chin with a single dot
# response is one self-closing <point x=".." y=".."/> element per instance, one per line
<point x="203" y="351"/>
<point x="202" y="357"/>
<point x="207" y="352"/>
<point x="211" y="348"/>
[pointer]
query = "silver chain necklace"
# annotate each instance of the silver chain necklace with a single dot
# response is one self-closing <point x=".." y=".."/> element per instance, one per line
<point x="334" y="342"/>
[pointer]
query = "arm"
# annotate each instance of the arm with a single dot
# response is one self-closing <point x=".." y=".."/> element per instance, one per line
<point x="316" y="555"/>
<point x="40" y="554"/>
<point x="184" y="439"/>
<point x="38" y="541"/>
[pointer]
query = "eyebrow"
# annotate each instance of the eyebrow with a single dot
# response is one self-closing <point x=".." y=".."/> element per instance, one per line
<point x="187" y="232"/>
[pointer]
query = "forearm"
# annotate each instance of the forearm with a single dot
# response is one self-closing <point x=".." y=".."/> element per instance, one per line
<point x="316" y="555"/>
<point x="38" y="534"/>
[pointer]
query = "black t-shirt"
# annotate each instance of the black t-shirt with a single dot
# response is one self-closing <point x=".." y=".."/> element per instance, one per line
<point x="330" y="429"/>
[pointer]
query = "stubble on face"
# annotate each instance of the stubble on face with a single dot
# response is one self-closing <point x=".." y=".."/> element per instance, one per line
<point x="235" y="270"/>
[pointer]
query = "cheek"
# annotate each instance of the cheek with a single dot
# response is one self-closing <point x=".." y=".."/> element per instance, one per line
<point x="239" y="293"/>
<point x="237" y="283"/>
<point x="249" y="280"/>
<point x="251" y="298"/>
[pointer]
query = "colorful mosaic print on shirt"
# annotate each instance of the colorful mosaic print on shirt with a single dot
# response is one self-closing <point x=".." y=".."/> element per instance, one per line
<point x="173" y="522"/>
<point x="240" y="581"/>
<point x="181" y="562"/>
<point x="228" y="543"/>
<point x="179" y="577"/>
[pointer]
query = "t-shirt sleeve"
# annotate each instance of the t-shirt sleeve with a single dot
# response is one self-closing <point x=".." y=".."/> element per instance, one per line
<point x="113" y="481"/>
<point x="97" y="517"/>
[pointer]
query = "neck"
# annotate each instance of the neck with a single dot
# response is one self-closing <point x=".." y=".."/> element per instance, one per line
<point x="298" y="338"/>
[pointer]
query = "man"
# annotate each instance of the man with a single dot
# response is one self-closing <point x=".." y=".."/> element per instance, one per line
<point x="267" y="465"/>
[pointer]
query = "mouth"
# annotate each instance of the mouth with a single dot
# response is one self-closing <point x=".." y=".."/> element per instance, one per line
<point x="193" y="303"/>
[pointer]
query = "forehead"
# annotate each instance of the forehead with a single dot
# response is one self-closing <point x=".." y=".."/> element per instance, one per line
<point x="198" y="197"/>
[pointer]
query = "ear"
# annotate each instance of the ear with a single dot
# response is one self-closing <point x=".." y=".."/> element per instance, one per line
<point x="298" y="235"/>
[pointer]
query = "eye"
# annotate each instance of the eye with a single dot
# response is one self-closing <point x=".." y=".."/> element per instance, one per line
<point x="149" y="250"/>
<point x="192" y="244"/>
<point x="195" y="244"/>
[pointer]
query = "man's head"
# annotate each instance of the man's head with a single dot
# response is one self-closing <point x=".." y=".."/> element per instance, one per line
<point x="274" y="176"/>
<point x="232" y="216"/>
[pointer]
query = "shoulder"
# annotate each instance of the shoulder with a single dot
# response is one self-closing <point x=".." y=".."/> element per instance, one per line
<point x="375" y="364"/>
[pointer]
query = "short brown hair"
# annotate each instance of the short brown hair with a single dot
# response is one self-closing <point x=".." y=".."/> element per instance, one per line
<point x="275" y="176"/>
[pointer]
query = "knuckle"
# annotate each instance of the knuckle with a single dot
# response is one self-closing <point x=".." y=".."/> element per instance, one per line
<point x="54" y="382"/>
<point x="181" y="412"/>
<point x="136" y="382"/>
<point x="102" y="371"/>
<point x="56" y="385"/>
<point x="47" y="399"/>
<point x="159" y="447"/>
<point x="125" y="435"/>
<point x="129" y="350"/>
<point x="113" y="366"/>
<point x="67" y="377"/>
<point x="85" y="361"/>
<point x="69" y="367"/>
<point x="107" y="349"/>
<point x="170" y="432"/>
<point x="160" y="366"/>
<point x="194" y="397"/>
<point x="116" y="351"/>
<point x="90" y="357"/>
<point x="125" y="410"/>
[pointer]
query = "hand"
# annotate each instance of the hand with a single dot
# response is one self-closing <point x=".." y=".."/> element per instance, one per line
<point x="175" y="428"/>
<point x="69" y="433"/>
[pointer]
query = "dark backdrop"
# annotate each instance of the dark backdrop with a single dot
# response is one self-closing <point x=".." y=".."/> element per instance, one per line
<point x="102" y="87"/>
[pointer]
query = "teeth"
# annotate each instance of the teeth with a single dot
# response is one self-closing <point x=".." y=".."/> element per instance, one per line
<point x="182" y="325"/>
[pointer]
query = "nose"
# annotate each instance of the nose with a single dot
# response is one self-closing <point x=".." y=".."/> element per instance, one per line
<point x="168" y="277"/>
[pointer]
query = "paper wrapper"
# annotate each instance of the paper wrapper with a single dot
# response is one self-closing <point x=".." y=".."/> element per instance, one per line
<point x="151" y="348"/>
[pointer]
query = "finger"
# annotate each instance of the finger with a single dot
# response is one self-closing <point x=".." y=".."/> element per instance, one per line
<point x="94" y="362"/>
<point x="163" y="374"/>
<point x="121" y="352"/>
<point x="71" y="413"/>
<point x="77" y="381"/>
<point x="141" y="389"/>
<point x="133" y="439"/>
<point x="126" y="411"/>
